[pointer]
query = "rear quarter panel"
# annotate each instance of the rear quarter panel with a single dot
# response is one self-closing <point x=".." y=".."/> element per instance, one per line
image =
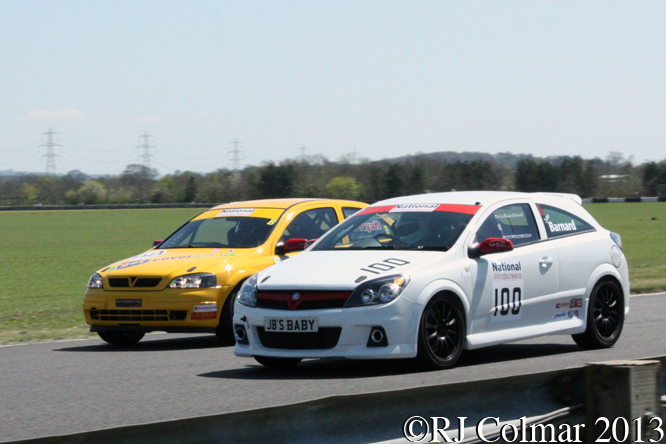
<point x="579" y="256"/>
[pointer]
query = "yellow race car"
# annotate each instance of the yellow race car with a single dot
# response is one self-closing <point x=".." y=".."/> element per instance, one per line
<point x="187" y="283"/>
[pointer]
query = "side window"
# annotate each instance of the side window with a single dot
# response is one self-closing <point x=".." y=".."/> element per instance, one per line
<point x="561" y="223"/>
<point x="513" y="222"/>
<point x="310" y="224"/>
<point x="349" y="211"/>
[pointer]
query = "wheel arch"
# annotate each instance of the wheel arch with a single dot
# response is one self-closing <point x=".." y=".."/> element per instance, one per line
<point x="239" y="280"/>
<point x="225" y="324"/>
<point x="602" y="327"/>
<point x="442" y="287"/>
<point x="607" y="272"/>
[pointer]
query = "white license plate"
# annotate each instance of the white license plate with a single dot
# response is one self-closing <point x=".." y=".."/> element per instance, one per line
<point x="291" y="325"/>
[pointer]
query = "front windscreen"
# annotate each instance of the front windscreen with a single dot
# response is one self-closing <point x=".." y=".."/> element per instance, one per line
<point x="228" y="228"/>
<point x="401" y="227"/>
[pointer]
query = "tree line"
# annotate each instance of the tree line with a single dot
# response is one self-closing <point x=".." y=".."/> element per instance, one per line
<point x="367" y="181"/>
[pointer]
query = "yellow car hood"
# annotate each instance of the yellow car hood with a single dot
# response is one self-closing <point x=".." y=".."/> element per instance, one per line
<point x="175" y="261"/>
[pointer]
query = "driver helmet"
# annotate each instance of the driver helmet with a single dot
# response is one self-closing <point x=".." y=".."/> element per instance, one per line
<point x="411" y="227"/>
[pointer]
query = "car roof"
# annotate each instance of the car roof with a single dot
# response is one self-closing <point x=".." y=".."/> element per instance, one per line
<point x="281" y="203"/>
<point x="481" y="198"/>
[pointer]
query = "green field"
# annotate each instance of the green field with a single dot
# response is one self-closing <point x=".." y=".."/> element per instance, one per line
<point x="643" y="230"/>
<point x="48" y="256"/>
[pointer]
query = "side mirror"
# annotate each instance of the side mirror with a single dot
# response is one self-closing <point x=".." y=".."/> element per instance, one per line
<point x="490" y="245"/>
<point x="495" y="245"/>
<point x="157" y="242"/>
<point x="295" y="244"/>
<point x="291" y="245"/>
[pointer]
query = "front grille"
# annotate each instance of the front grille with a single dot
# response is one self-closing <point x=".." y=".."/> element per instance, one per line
<point x="147" y="282"/>
<point x="131" y="315"/>
<point x="308" y="300"/>
<point x="325" y="338"/>
<point x="134" y="282"/>
<point x="119" y="282"/>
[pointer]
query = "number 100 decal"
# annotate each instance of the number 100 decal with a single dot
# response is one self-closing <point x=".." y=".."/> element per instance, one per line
<point x="507" y="301"/>
<point x="508" y="291"/>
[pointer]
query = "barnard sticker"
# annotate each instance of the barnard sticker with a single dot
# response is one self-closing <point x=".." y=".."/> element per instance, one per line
<point x="570" y="226"/>
<point x="227" y="212"/>
<point x="414" y="208"/>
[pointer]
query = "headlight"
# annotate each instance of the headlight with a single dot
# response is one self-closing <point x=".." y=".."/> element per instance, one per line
<point x="95" y="281"/>
<point x="196" y="280"/>
<point x="248" y="292"/>
<point x="378" y="291"/>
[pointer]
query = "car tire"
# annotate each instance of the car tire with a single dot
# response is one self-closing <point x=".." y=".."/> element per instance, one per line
<point x="442" y="332"/>
<point x="121" y="337"/>
<point x="225" y="329"/>
<point x="282" y="363"/>
<point x="605" y="316"/>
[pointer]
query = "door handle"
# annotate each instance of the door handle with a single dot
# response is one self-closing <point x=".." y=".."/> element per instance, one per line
<point x="546" y="261"/>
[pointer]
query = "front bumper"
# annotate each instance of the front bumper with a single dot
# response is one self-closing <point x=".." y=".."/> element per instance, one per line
<point x="399" y="321"/>
<point x="170" y="310"/>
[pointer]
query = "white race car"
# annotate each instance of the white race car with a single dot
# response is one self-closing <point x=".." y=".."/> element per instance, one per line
<point x="430" y="275"/>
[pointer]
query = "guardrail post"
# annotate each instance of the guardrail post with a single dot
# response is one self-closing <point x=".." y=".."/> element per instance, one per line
<point x="623" y="401"/>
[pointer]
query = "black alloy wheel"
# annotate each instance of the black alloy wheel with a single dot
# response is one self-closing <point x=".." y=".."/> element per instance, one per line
<point x="605" y="316"/>
<point x="441" y="332"/>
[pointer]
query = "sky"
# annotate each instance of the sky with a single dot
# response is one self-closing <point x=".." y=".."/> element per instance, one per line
<point x="376" y="79"/>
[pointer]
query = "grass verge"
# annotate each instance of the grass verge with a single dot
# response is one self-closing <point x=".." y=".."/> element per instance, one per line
<point x="48" y="256"/>
<point x="643" y="230"/>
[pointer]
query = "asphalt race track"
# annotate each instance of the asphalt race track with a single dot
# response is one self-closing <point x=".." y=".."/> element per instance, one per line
<point x="75" y="386"/>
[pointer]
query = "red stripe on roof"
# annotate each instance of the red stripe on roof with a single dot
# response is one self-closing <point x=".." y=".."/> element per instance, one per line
<point x="457" y="208"/>
<point x="373" y="210"/>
